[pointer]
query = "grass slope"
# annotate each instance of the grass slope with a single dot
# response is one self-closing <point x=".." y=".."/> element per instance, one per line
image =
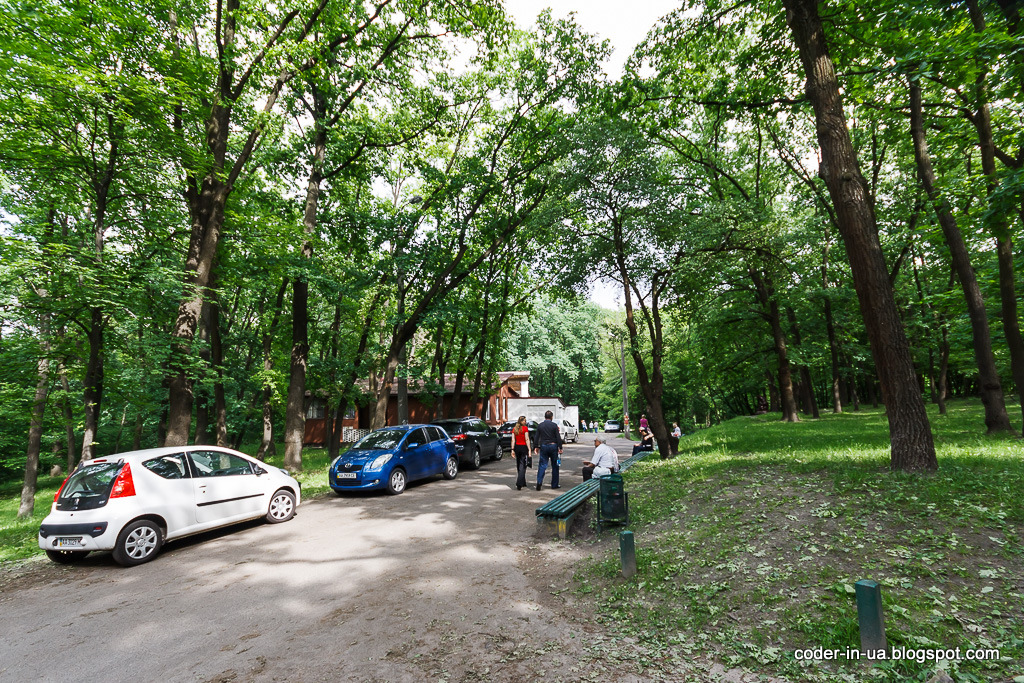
<point x="749" y="543"/>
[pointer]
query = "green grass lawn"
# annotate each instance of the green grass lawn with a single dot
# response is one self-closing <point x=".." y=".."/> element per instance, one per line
<point x="749" y="543"/>
<point x="18" y="537"/>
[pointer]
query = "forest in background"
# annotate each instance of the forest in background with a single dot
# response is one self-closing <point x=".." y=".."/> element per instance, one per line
<point x="211" y="210"/>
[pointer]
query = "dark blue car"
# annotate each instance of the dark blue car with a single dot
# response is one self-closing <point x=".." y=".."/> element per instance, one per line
<point x="391" y="457"/>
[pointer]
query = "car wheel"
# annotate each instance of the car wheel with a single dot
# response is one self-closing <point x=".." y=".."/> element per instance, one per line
<point x="499" y="452"/>
<point x="66" y="556"/>
<point x="474" y="458"/>
<point x="282" y="507"/>
<point x="396" y="482"/>
<point x="451" y="468"/>
<point x="138" y="542"/>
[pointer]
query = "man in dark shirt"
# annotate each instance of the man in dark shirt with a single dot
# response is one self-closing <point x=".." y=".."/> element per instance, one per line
<point x="549" y="445"/>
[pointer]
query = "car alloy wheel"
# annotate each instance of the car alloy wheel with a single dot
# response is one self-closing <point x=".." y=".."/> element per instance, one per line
<point x="474" y="458"/>
<point x="451" y="468"/>
<point x="499" y="452"/>
<point x="282" y="507"/>
<point x="138" y="542"/>
<point x="396" y="482"/>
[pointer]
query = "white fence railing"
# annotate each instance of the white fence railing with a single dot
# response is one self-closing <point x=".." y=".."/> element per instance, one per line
<point x="351" y="434"/>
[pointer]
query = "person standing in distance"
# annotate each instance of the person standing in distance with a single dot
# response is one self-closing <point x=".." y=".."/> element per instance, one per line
<point x="549" y="445"/>
<point x="673" y="439"/>
<point x="521" y="447"/>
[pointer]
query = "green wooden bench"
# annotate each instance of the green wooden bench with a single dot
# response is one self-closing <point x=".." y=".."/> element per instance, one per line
<point x="559" y="511"/>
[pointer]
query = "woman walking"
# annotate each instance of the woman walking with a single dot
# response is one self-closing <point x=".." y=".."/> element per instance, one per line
<point x="521" y="446"/>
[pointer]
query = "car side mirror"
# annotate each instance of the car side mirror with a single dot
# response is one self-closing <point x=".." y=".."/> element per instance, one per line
<point x="409" y="445"/>
<point x="258" y="471"/>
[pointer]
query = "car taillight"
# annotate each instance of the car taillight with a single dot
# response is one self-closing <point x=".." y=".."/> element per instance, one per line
<point x="459" y="437"/>
<point x="123" y="486"/>
<point x="57" y="495"/>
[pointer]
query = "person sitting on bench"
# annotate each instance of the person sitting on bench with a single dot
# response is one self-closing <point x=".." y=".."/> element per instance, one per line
<point x="605" y="460"/>
<point x="646" y="442"/>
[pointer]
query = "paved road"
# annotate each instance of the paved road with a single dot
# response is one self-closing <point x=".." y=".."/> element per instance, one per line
<point x="447" y="581"/>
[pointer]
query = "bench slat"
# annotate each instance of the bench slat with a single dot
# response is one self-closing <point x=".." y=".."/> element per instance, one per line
<point x="566" y="504"/>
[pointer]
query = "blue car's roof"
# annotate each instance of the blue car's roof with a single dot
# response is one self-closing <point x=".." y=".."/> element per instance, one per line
<point x="400" y="428"/>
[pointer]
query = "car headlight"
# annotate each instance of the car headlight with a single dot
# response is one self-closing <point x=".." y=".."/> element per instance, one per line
<point x="334" y="462"/>
<point x="379" y="461"/>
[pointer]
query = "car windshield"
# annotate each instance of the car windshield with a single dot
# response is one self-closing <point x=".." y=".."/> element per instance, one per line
<point x="385" y="438"/>
<point x="89" y="486"/>
<point x="450" y="427"/>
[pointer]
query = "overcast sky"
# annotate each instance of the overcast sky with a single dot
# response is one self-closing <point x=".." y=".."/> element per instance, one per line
<point x="625" y="24"/>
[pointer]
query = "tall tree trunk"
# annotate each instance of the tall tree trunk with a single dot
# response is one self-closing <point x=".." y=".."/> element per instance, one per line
<point x="207" y="200"/>
<point x="996" y="419"/>
<point x="220" y="409"/>
<point x="1008" y="313"/>
<point x="267" y="447"/>
<point x="910" y="433"/>
<point x="770" y="311"/>
<point x="460" y="376"/>
<point x="35" y="430"/>
<point x="652" y="385"/>
<point x="364" y="339"/>
<point x="830" y="328"/>
<point x="332" y="421"/>
<point x="942" y="388"/>
<point x="202" y="435"/>
<point x="120" y="429"/>
<point x="69" y="419"/>
<point x="403" y="385"/>
<point x="92" y="393"/>
<point x="136" y="434"/>
<point x="807" y="386"/>
<point x="982" y="120"/>
<point x="380" y="412"/>
<point x="295" y="411"/>
<point x="833" y="348"/>
<point x="927" y="310"/>
<point x="774" y="400"/>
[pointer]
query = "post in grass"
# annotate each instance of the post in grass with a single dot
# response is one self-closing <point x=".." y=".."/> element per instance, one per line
<point x="869" y="614"/>
<point x="627" y="550"/>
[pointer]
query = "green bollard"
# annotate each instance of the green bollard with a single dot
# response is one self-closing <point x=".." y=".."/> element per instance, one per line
<point x="627" y="550"/>
<point x="869" y="614"/>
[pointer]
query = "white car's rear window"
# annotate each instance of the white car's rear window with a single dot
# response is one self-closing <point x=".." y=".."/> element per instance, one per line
<point x="88" y="487"/>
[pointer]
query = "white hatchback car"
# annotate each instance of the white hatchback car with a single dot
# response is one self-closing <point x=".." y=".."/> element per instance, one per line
<point x="569" y="432"/>
<point x="131" y="503"/>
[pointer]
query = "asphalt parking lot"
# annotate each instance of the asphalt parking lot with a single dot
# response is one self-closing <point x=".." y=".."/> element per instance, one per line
<point x="445" y="581"/>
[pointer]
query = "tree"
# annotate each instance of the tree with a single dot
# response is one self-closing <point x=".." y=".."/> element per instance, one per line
<point x="910" y="432"/>
<point x="996" y="418"/>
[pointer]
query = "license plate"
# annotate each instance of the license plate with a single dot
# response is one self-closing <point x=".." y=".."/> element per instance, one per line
<point x="346" y="475"/>
<point x="69" y="542"/>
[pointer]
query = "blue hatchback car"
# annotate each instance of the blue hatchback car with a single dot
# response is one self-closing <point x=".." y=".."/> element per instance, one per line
<point x="391" y="457"/>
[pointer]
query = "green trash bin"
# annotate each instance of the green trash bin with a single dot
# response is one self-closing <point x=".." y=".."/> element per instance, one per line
<point x="612" y="501"/>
